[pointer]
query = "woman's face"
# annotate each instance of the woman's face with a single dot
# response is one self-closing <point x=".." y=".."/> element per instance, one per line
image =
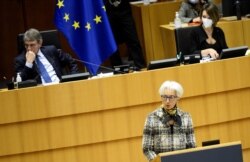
<point x="169" y="99"/>
<point x="206" y="20"/>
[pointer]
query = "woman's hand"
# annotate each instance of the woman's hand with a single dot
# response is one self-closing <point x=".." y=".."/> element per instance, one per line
<point x="210" y="52"/>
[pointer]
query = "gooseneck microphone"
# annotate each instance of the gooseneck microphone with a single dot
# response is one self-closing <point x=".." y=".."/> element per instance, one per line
<point x="238" y="12"/>
<point x="171" y="124"/>
<point x="121" y="69"/>
<point x="89" y="63"/>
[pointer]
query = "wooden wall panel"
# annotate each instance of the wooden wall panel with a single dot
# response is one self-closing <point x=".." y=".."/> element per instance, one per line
<point x="11" y="24"/>
<point x="39" y="14"/>
<point x="218" y="107"/>
<point x="236" y="27"/>
<point x="116" y="124"/>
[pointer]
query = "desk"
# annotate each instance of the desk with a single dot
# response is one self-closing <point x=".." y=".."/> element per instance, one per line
<point x="236" y="32"/>
<point x="102" y="119"/>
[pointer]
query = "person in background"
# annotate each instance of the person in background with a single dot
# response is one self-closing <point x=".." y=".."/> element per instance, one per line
<point x="42" y="63"/>
<point x="168" y="128"/>
<point x="189" y="11"/>
<point x="124" y="30"/>
<point x="207" y="39"/>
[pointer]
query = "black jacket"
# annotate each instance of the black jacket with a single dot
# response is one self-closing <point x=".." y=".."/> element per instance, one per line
<point x="199" y="36"/>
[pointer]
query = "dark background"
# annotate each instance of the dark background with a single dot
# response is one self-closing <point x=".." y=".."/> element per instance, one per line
<point x="16" y="17"/>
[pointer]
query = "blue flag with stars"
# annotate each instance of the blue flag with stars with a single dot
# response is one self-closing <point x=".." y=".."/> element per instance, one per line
<point x="86" y="27"/>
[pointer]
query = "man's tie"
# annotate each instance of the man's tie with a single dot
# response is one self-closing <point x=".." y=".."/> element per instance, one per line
<point x="42" y="70"/>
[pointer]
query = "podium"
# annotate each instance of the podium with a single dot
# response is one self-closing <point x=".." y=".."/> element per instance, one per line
<point x="228" y="152"/>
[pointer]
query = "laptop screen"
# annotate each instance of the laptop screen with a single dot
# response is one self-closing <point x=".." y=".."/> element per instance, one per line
<point x="233" y="52"/>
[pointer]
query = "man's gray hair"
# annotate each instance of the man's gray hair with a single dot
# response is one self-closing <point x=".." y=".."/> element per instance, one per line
<point x="32" y="35"/>
<point x="172" y="85"/>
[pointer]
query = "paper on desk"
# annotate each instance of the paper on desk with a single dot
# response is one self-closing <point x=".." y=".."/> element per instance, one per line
<point x="139" y="2"/>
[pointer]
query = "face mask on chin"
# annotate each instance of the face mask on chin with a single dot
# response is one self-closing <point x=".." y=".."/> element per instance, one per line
<point x="193" y="1"/>
<point x="207" y="23"/>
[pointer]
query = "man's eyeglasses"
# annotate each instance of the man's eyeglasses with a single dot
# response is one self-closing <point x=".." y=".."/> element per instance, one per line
<point x="168" y="97"/>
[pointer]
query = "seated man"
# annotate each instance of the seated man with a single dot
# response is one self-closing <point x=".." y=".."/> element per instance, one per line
<point x="44" y="64"/>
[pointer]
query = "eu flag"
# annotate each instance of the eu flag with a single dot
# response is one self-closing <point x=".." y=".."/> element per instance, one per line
<point x="86" y="27"/>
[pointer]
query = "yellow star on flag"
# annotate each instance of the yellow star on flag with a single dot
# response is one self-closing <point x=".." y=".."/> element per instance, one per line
<point x="66" y="17"/>
<point x="88" y="27"/>
<point x="97" y="19"/>
<point x="60" y="4"/>
<point x="76" y="25"/>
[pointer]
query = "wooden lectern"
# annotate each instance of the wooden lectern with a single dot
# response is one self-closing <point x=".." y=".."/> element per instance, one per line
<point x="228" y="152"/>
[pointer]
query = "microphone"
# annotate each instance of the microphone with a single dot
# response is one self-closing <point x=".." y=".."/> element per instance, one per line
<point x="238" y="12"/>
<point x="121" y="69"/>
<point x="179" y="55"/>
<point x="172" y="129"/>
<point x="171" y="124"/>
<point x="89" y="63"/>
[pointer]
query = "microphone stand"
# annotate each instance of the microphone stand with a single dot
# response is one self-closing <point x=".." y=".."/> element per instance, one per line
<point x="238" y="12"/>
<point x="104" y="67"/>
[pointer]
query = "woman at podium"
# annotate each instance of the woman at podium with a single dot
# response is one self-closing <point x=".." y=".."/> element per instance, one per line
<point x="168" y="128"/>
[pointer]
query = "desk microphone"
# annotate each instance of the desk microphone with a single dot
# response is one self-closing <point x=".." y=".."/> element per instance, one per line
<point x="238" y="12"/>
<point x="179" y="55"/>
<point x="104" y="67"/>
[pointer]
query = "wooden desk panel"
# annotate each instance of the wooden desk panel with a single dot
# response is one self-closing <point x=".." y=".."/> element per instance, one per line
<point x="102" y="119"/>
<point x="95" y="95"/>
<point x="246" y="27"/>
<point x="234" y="32"/>
<point x="148" y="19"/>
<point x="168" y="41"/>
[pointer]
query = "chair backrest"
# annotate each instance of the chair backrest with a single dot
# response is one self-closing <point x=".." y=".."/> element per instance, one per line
<point x="50" y="37"/>
<point x="182" y="38"/>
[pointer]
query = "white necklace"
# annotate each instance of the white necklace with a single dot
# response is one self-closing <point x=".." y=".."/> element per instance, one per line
<point x="116" y="3"/>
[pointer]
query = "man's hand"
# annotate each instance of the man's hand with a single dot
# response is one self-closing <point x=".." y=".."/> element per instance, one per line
<point x="30" y="56"/>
